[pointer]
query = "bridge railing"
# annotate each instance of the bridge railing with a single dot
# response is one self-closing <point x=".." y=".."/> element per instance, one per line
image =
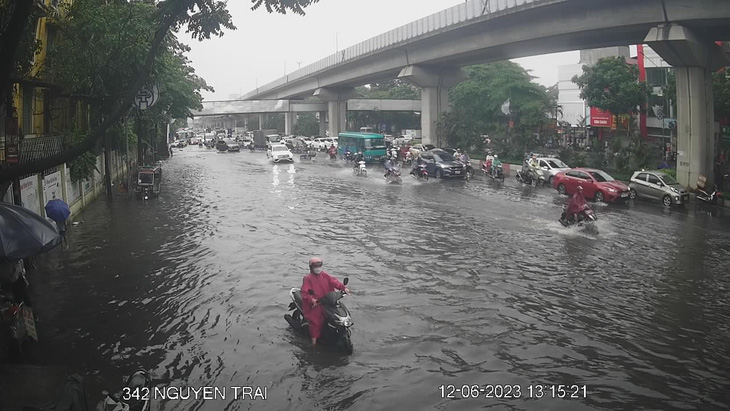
<point x="448" y="18"/>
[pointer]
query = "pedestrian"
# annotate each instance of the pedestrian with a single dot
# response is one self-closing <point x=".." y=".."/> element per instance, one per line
<point x="61" y="225"/>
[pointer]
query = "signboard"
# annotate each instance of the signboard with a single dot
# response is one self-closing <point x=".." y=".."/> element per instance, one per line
<point x="601" y="118"/>
<point x="146" y="97"/>
<point x="29" y="194"/>
<point x="12" y="141"/>
<point x="52" y="188"/>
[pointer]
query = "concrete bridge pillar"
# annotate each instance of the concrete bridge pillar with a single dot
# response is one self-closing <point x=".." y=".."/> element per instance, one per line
<point x="322" y="123"/>
<point x="290" y="121"/>
<point x="694" y="60"/>
<point x="336" y="99"/>
<point x="434" y="83"/>
<point x="261" y="121"/>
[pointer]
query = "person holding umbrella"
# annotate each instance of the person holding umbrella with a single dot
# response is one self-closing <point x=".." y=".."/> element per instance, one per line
<point x="58" y="211"/>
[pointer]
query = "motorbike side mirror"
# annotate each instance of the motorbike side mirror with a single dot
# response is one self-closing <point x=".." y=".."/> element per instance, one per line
<point x="311" y="292"/>
<point x="346" y="280"/>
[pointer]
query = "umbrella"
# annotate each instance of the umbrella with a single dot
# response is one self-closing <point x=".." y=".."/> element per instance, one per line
<point x="24" y="233"/>
<point x="57" y="210"/>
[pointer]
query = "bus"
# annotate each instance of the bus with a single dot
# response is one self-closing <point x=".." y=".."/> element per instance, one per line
<point x="370" y="144"/>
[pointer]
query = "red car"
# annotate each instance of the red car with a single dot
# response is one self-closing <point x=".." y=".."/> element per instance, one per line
<point x="597" y="185"/>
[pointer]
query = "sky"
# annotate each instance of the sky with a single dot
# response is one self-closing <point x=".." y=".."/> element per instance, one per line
<point x="266" y="46"/>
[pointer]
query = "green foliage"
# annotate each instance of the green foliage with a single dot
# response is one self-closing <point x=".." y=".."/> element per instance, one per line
<point x="274" y="121"/>
<point x="102" y="48"/>
<point x="477" y="106"/>
<point x="307" y="125"/>
<point x="613" y="85"/>
<point x="83" y="166"/>
<point x="721" y="94"/>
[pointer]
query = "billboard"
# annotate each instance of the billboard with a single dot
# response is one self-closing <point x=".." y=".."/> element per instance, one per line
<point x="601" y="118"/>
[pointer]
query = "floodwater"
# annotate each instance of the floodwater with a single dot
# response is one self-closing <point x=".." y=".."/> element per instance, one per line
<point x="453" y="283"/>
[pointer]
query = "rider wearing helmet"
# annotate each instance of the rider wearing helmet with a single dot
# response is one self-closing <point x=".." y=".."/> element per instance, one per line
<point x="495" y="163"/>
<point x="358" y="158"/>
<point x="320" y="283"/>
<point x="388" y="167"/>
<point x="576" y="204"/>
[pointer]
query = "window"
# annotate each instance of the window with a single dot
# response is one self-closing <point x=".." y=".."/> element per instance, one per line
<point x="641" y="177"/>
<point x="653" y="179"/>
<point x="601" y="177"/>
<point x="574" y="174"/>
<point x="543" y="164"/>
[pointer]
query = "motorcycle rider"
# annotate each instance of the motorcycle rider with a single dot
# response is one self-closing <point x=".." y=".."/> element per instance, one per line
<point x="488" y="161"/>
<point x="389" y="167"/>
<point x="332" y="151"/>
<point x="496" y="163"/>
<point x="464" y="158"/>
<point x="575" y="204"/>
<point x="358" y="158"/>
<point x="321" y="283"/>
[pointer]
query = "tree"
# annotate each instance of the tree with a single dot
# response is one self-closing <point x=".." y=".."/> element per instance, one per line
<point x="720" y="92"/>
<point x="307" y="125"/>
<point x="201" y="18"/>
<point x="477" y="107"/>
<point x="613" y="85"/>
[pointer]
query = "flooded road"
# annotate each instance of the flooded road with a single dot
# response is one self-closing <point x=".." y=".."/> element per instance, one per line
<point x="453" y="283"/>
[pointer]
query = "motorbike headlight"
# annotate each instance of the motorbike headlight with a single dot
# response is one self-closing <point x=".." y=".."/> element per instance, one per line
<point x="345" y="321"/>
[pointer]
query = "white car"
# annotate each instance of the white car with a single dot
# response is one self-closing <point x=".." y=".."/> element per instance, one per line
<point x="279" y="153"/>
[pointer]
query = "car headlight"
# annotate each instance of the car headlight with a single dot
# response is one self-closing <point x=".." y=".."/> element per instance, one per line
<point x="611" y="190"/>
<point x="674" y="190"/>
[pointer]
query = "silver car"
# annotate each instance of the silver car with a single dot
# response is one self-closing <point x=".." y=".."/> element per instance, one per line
<point x="659" y="186"/>
<point x="552" y="166"/>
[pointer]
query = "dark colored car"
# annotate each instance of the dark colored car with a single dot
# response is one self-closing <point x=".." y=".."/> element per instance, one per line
<point x="440" y="164"/>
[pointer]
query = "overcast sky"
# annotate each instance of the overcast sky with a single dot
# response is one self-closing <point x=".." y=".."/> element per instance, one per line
<point x="265" y="45"/>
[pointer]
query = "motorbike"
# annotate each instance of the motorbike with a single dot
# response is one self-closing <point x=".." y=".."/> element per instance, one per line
<point x="337" y="317"/>
<point x="420" y="172"/>
<point x="360" y="170"/>
<point x="393" y="176"/>
<point x="408" y="159"/>
<point x="533" y="177"/>
<point x="468" y="170"/>
<point x="498" y="173"/>
<point x="135" y="396"/>
<point x="349" y="156"/>
<point x="14" y="333"/>
<point x="586" y="215"/>
<point x="713" y="197"/>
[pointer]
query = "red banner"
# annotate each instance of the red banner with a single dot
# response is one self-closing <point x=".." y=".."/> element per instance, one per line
<point x="12" y="141"/>
<point x="601" y="118"/>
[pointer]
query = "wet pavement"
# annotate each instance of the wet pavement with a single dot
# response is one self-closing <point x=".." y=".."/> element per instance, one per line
<point x="453" y="283"/>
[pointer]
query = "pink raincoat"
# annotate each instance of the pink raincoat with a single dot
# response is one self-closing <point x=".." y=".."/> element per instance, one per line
<point x="321" y="284"/>
<point x="576" y="205"/>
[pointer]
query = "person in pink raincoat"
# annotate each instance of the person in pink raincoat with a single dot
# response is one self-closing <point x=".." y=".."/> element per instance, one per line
<point x="321" y="283"/>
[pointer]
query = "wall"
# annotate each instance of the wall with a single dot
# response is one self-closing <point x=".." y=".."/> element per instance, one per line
<point x="569" y="94"/>
<point x="36" y="190"/>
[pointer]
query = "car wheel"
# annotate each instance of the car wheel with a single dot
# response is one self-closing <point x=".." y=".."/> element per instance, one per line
<point x="439" y="174"/>
<point x="667" y="201"/>
<point x="633" y="194"/>
<point x="598" y="197"/>
<point x="720" y="201"/>
<point x="550" y="180"/>
<point x="562" y="190"/>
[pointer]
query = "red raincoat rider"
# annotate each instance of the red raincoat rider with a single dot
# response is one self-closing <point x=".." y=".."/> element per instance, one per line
<point x="576" y="204"/>
<point x="321" y="283"/>
<point x="332" y="151"/>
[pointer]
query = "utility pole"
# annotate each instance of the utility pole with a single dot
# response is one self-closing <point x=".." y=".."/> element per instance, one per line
<point x="300" y="65"/>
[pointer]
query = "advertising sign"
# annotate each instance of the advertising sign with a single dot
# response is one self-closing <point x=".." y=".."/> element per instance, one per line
<point x="52" y="188"/>
<point x="601" y="118"/>
<point x="29" y="194"/>
<point x="12" y="141"/>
